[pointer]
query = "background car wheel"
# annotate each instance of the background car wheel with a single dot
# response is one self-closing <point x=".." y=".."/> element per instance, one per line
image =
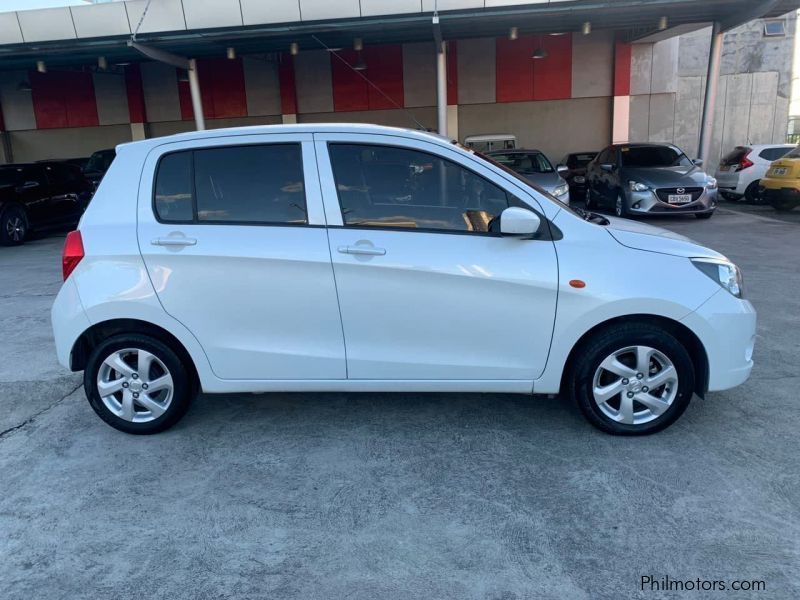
<point x="783" y="205"/>
<point x="619" y="206"/>
<point x="751" y="194"/>
<point x="633" y="379"/>
<point x="13" y="226"/>
<point x="704" y="215"/>
<point x="588" y="200"/>
<point x="137" y="384"/>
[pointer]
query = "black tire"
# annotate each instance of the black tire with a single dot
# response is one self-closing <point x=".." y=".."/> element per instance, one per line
<point x="588" y="200"/>
<point x="587" y="361"/>
<point x="704" y="215"/>
<point x="783" y="205"/>
<point x="182" y="392"/>
<point x="13" y="226"/>
<point x="751" y="194"/>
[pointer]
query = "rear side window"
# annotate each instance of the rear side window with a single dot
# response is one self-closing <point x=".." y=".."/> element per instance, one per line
<point x="259" y="184"/>
<point x="773" y="153"/>
<point x="391" y="187"/>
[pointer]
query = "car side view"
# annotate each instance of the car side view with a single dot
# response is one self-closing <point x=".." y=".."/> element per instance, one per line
<point x="39" y="196"/>
<point x="365" y="258"/>
<point x="648" y="179"/>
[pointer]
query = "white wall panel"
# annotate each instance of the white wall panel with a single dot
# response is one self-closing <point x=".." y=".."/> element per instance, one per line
<point x="255" y="12"/>
<point x="46" y="24"/>
<point x="9" y="28"/>
<point x="202" y="14"/>
<point x="17" y="105"/>
<point x="427" y="5"/>
<point x="163" y="15"/>
<point x="371" y="8"/>
<point x="316" y="10"/>
<point x="112" y="98"/>
<point x="99" y="20"/>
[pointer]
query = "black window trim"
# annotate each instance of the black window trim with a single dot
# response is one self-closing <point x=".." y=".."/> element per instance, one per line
<point x="547" y="231"/>
<point x="194" y="220"/>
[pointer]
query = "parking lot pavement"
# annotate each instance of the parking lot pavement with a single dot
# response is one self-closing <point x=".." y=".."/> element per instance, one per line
<point x="401" y="495"/>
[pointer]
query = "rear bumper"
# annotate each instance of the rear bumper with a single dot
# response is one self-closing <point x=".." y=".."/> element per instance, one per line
<point x="726" y="327"/>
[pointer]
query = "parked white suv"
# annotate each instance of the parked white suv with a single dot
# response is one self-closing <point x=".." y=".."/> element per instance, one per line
<point x="365" y="258"/>
<point x="740" y="170"/>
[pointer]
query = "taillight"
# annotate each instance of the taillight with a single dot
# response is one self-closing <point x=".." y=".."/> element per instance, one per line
<point x="744" y="163"/>
<point x="73" y="253"/>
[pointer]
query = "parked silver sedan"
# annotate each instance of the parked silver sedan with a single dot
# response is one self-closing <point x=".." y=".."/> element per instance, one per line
<point x="534" y="166"/>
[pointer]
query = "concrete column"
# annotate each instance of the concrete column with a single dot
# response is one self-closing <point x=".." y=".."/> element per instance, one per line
<point x="441" y="88"/>
<point x="621" y="120"/>
<point x="197" y="102"/>
<point x="710" y="100"/>
<point x="289" y="119"/>
<point x="138" y="132"/>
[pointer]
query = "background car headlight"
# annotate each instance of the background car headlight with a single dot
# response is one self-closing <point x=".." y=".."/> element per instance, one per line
<point x="711" y="184"/>
<point x="638" y="187"/>
<point x="579" y="179"/>
<point x="560" y="190"/>
<point x="723" y="272"/>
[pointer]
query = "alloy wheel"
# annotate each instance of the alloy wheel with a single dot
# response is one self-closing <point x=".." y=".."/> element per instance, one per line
<point x="635" y="385"/>
<point x="15" y="228"/>
<point x="135" y="385"/>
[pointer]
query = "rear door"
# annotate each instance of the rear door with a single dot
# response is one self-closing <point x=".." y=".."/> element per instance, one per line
<point x="427" y="287"/>
<point x="232" y="231"/>
<point x="33" y="191"/>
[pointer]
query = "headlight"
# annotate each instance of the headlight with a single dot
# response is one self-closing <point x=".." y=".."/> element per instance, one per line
<point x="724" y="273"/>
<point x="561" y="190"/>
<point x="711" y="184"/>
<point x="579" y="179"/>
<point x="638" y="187"/>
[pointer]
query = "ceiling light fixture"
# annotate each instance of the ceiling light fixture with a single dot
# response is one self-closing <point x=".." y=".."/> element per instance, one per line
<point x="41" y="67"/>
<point x="513" y="33"/>
<point x="231" y="53"/>
<point x="663" y="23"/>
<point x="586" y="28"/>
<point x="539" y="53"/>
<point x="294" y="48"/>
<point x="102" y="63"/>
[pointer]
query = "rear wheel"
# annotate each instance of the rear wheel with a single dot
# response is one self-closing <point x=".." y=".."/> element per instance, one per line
<point x="784" y="205"/>
<point x="137" y="384"/>
<point x="13" y="226"/>
<point x="751" y="194"/>
<point x="633" y="379"/>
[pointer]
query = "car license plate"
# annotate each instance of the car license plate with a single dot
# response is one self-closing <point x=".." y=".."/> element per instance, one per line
<point x="779" y="171"/>
<point x="679" y="198"/>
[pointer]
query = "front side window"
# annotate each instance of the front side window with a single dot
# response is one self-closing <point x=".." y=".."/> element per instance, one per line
<point x="653" y="156"/>
<point x="383" y="186"/>
<point x="259" y="184"/>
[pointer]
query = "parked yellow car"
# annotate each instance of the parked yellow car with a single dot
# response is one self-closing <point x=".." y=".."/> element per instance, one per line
<point x="781" y="185"/>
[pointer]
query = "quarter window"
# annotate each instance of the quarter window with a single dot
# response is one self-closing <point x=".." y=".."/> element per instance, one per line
<point x="259" y="184"/>
<point x="383" y="186"/>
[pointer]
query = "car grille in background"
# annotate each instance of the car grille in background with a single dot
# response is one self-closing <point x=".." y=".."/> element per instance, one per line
<point x="664" y="193"/>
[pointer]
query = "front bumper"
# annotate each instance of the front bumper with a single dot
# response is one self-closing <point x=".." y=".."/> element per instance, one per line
<point x="726" y="327"/>
<point x="648" y="203"/>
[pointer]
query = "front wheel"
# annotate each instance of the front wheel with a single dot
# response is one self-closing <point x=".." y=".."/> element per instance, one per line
<point x="634" y="379"/>
<point x="13" y="226"/>
<point x="137" y="384"/>
<point x="619" y="206"/>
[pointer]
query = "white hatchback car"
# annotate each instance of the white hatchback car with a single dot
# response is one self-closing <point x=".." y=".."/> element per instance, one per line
<point x="366" y="258"/>
<point x="740" y="171"/>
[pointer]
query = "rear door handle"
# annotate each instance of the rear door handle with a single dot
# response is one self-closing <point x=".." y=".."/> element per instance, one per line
<point x="174" y="241"/>
<point x="365" y="250"/>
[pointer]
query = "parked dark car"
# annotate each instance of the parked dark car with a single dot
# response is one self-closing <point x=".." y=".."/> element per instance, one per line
<point x="646" y="179"/>
<point x="575" y="174"/>
<point x="40" y="196"/>
<point x="98" y="164"/>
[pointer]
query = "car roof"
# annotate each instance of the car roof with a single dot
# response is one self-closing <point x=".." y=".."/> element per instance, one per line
<point x="308" y="128"/>
<point x="515" y="151"/>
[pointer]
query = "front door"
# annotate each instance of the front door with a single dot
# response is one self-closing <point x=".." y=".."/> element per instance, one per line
<point x="427" y="289"/>
<point x="232" y="231"/>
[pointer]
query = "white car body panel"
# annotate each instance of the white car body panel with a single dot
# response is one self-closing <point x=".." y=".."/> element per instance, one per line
<point x="439" y="312"/>
<point x="734" y="182"/>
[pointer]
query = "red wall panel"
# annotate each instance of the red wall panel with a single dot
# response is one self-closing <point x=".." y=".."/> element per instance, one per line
<point x="133" y="86"/>
<point x="288" y="88"/>
<point x="221" y="89"/>
<point x="514" y="69"/>
<point x="63" y="99"/>
<point x="622" y="69"/>
<point x="349" y="88"/>
<point x="452" y="72"/>
<point x="552" y="76"/>
<point x="352" y="92"/>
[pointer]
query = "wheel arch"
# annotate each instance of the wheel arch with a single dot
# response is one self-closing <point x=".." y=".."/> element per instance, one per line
<point x="89" y="339"/>
<point x="680" y="331"/>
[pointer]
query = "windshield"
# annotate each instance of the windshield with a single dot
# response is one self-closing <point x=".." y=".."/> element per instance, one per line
<point x="524" y="162"/>
<point x="10" y="176"/>
<point x="576" y="161"/>
<point x="653" y="156"/>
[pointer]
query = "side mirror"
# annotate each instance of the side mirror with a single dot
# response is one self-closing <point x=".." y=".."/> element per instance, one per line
<point x="698" y="162"/>
<point x="519" y="221"/>
<point x="608" y="167"/>
<point x="562" y="169"/>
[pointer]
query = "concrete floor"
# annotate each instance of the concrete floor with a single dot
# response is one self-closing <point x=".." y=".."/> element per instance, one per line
<point x="399" y="495"/>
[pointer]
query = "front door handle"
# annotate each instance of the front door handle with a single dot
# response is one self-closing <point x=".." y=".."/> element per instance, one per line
<point x="364" y="250"/>
<point x="174" y="241"/>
